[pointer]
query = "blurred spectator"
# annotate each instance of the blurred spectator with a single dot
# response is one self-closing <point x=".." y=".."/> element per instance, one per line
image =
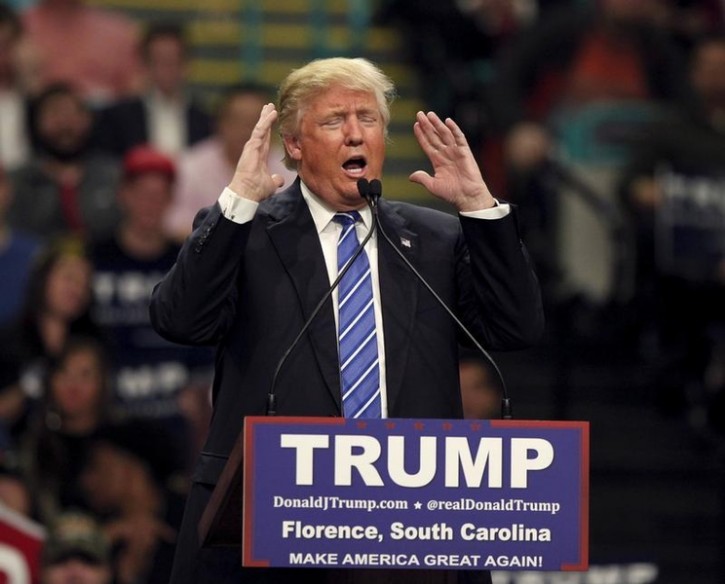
<point x="73" y="408"/>
<point x="57" y="306"/>
<point x="205" y="169"/>
<point x="672" y="189"/>
<point x="165" y="116"/>
<point x="15" y="492"/>
<point x="91" y="48"/>
<point x="76" y="552"/>
<point x="687" y="21"/>
<point x="65" y="187"/>
<point x="596" y="70"/>
<point x="691" y="140"/>
<point x="128" y="482"/>
<point x="691" y="137"/>
<point x="453" y="44"/>
<point x="14" y="142"/>
<point x="480" y="389"/>
<point x="151" y="374"/>
<point x="16" y="255"/>
<point x="613" y="50"/>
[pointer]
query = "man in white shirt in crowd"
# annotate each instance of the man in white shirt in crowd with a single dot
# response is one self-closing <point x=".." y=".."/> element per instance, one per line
<point x="206" y="168"/>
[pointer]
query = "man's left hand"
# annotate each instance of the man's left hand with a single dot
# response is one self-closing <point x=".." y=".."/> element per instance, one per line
<point x="456" y="176"/>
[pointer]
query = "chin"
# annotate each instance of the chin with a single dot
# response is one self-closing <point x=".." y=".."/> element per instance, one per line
<point x="353" y="197"/>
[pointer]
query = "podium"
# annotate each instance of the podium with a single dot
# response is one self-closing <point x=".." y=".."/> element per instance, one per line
<point x="404" y="495"/>
<point x="221" y="522"/>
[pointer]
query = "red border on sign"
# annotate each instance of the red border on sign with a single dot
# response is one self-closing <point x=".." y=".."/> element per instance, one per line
<point x="584" y="506"/>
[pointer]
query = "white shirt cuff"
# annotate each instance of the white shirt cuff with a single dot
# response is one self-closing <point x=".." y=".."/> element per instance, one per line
<point x="498" y="212"/>
<point x="235" y="208"/>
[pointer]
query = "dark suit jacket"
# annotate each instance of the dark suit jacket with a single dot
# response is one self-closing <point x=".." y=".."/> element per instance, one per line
<point x="249" y="288"/>
<point x="123" y="125"/>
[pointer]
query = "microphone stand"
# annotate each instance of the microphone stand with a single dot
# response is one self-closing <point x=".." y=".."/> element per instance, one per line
<point x="372" y="196"/>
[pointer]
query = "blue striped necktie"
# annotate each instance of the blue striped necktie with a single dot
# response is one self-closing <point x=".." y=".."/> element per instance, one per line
<point x="358" y="344"/>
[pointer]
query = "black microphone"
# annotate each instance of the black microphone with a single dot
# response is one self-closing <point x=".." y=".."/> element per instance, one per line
<point x="363" y="187"/>
<point x="373" y="194"/>
<point x="370" y="191"/>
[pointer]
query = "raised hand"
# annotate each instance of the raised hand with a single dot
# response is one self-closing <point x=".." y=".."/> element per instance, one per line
<point x="456" y="177"/>
<point x="252" y="179"/>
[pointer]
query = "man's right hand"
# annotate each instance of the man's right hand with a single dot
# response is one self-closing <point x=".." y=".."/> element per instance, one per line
<point x="252" y="179"/>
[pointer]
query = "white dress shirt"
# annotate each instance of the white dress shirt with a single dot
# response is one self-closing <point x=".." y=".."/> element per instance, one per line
<point x="242" y="210"/>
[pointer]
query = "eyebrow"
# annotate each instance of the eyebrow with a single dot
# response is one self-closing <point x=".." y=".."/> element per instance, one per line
<point x="342" y="111"/>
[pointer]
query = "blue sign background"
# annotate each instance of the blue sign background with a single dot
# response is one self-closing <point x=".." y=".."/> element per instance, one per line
<point x="543" y="526"/>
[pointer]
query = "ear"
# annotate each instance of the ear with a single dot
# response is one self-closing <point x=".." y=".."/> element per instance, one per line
<point x="293" y="147"/>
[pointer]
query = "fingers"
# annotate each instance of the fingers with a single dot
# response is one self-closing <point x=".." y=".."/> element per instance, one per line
<point x="263" y="129"/>
<point x="267" y="117"/>
<point x="422" y="178"/>
<point x="426" y="135"/>
<point x="278" y="180"/>
<point x="458" y="136"/>
<point x="435" y="136"/>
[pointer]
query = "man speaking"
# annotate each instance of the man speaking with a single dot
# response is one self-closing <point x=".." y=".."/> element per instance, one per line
<point x="258" y="263"/>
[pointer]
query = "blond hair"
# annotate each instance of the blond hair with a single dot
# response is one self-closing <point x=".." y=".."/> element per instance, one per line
<point x="303" y="84"/>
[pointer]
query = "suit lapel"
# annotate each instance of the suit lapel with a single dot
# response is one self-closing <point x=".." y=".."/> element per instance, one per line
<point x="293" y="235"/>
<point x="399" y="292"/>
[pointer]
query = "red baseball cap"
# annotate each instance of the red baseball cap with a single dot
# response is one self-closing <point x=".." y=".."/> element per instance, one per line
<point x="143" y="159"/>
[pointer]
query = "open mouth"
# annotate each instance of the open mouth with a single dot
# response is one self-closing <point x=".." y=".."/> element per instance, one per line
<point x="355" y="166"/>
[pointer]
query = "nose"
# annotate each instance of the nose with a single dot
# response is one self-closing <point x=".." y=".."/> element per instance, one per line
<point x="353" y="131"/>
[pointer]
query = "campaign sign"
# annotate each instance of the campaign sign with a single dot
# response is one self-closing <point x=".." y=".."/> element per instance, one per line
<point x="690" y="225"/>
<point x="415" y="494"/>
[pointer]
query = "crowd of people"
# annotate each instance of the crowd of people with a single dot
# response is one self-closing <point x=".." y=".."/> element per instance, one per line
<point x="621" y="106"/>
<point x="106" y="156"/>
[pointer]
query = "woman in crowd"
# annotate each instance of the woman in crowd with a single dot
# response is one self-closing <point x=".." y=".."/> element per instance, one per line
<point x="57" y="303"/>
<point x="72" y="410"/>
